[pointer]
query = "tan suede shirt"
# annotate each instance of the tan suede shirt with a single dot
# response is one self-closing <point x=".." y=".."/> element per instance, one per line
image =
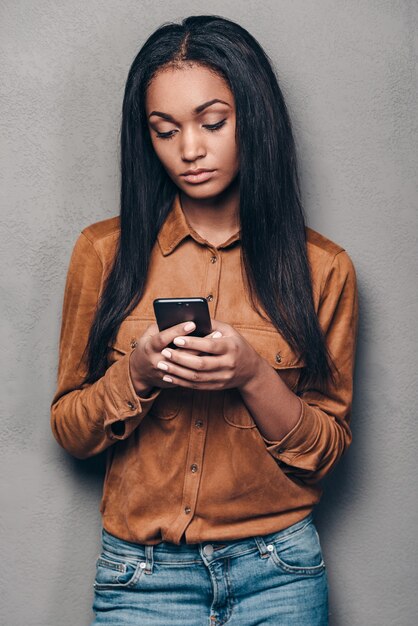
<point x="192" y="465"/>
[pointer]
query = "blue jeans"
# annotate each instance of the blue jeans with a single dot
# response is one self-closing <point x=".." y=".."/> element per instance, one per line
<point x="277" y="579"/>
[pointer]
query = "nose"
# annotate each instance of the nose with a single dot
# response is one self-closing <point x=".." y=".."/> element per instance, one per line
<point x="192" y="145"/>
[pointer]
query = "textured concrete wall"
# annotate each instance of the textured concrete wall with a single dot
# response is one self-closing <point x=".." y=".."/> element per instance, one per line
<point x="348" y="69"/>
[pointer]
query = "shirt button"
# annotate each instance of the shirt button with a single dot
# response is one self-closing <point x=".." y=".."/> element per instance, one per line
<point x="208" y="550"/>
<point x="198" y="423"/>
<point x="278" y="357"/>
<point x="187" y="510"/>
<point x="193" y="467"/>
<point x="213" y="259"/>
<point x="130" y="405"/>
<point x="209" y="298"/>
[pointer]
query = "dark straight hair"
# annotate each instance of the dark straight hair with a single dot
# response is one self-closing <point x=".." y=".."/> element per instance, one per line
<point x="273" y="238"/>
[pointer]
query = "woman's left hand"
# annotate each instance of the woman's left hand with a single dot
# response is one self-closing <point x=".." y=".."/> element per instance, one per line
<point x="228" y="361"/>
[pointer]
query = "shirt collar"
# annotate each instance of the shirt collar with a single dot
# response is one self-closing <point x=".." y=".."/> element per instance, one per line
<point x="176" y="228"/>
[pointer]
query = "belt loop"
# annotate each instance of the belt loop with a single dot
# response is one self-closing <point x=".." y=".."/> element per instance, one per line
<point x="261" y="545"/>
<point x="149" y="559"/>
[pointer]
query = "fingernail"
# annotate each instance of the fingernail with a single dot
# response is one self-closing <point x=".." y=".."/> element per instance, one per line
<point x="166" y="353"/>
<point x="189" y="326"/>
<point x="167" y="379"/>
<point x="162" y="365"/>
<point x="179" y="341"/>
<point x="217" y="334"/>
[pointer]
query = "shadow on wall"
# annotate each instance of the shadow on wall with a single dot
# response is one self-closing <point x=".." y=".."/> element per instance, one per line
<point x="342" y="486"/>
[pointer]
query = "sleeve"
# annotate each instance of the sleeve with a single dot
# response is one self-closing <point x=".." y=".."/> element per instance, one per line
<point x="87" y="418"/>
<point x="322" y="434"/>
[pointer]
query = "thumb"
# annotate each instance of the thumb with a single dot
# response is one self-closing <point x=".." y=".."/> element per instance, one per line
<point x="152" y="329"/>
<point x="218" y="328"/>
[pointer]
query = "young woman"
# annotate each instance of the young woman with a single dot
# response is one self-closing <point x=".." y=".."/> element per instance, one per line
<point x="215" y="449"/>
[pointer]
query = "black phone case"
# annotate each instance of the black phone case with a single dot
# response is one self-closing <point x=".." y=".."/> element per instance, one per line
<point x="172" y="311"/>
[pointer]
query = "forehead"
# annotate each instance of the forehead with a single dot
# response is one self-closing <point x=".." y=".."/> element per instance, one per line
<point x="180" y="90"/>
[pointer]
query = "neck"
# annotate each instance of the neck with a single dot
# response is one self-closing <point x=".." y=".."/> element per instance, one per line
<point x="219" y="213"/>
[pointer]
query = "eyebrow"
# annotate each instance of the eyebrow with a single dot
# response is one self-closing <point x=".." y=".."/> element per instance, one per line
<point x="196" y="111"/>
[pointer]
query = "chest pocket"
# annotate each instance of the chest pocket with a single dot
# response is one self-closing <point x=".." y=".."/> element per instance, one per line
<point x="167" y="404"/>
<point x="276" y="351"/>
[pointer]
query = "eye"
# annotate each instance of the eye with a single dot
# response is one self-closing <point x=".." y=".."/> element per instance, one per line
<point x="168" y="135"/>
<point x="211" y="127"/>
<point x="217" y="126"/>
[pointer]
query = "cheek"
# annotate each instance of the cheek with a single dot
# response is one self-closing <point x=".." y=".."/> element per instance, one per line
<point x="230" y="153"/>
<point x="163" y="153"/>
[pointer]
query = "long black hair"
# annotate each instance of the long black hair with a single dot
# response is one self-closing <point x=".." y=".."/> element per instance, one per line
<point x="273" y="236"/>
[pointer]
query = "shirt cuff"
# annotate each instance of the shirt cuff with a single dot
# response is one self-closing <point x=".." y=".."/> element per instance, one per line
<point x="124" y="409"/>
<point x="292" y="443"/>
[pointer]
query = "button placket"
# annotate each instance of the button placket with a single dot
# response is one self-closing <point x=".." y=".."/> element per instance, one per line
<point x="212" y="277"/>
<point x="195" y="457"/>
<point x="192" y="468"/>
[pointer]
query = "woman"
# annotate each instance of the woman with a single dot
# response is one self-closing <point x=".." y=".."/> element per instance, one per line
<point x="214" y="449"/>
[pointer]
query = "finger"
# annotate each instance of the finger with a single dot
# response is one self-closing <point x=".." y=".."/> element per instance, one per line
<point x="196" y="382"/>
<point x="172" y="351"/>
<point x="221" y="326"/>
<point x="209" y="345"/>
<point x="167" y="335"/>
<point x="152" y="329"/>
<point x="188" y="351"/>
<point x="177" y="360"/>
<point x="213" y="333"/>
<point x="173" y="369"/>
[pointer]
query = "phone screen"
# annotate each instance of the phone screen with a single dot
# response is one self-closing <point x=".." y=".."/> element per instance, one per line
<point x="172" y="311"/>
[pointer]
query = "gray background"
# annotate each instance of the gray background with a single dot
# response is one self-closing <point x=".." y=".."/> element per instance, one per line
<point x="348" y="71"/>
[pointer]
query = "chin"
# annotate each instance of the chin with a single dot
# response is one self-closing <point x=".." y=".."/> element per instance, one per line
<point x="201" y="193"/>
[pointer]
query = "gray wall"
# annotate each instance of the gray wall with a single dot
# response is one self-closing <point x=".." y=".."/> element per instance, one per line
<point x="348" y="70"/>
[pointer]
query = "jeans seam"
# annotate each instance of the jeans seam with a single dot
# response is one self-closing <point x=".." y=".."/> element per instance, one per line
<point x="295" y="569"/>
<point x="132" y="581"/>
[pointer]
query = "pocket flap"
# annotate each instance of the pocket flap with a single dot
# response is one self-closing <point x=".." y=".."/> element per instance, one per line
<point x="272" y="347"/>
<point x="130" y="330"/>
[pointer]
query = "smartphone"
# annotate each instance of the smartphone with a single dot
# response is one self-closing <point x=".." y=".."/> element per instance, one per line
<point x="172" y="311"/>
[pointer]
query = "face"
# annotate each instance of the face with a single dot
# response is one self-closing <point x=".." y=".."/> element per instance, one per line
<point x="191" y="119"/>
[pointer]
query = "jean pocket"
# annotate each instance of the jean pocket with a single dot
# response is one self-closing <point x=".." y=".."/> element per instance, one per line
<point x="113" y="573"/>
<point x="299" y="552"/>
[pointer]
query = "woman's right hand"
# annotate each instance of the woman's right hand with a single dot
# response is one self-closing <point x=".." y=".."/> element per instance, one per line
<point x="144" y="358"/>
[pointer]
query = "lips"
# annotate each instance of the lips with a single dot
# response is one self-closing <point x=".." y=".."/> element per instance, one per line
<point x="198" y="176"/>
<point x="194" y="172"/>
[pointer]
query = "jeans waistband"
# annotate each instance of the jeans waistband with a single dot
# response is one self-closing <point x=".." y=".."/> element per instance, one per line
<point x="165" y="551"/>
